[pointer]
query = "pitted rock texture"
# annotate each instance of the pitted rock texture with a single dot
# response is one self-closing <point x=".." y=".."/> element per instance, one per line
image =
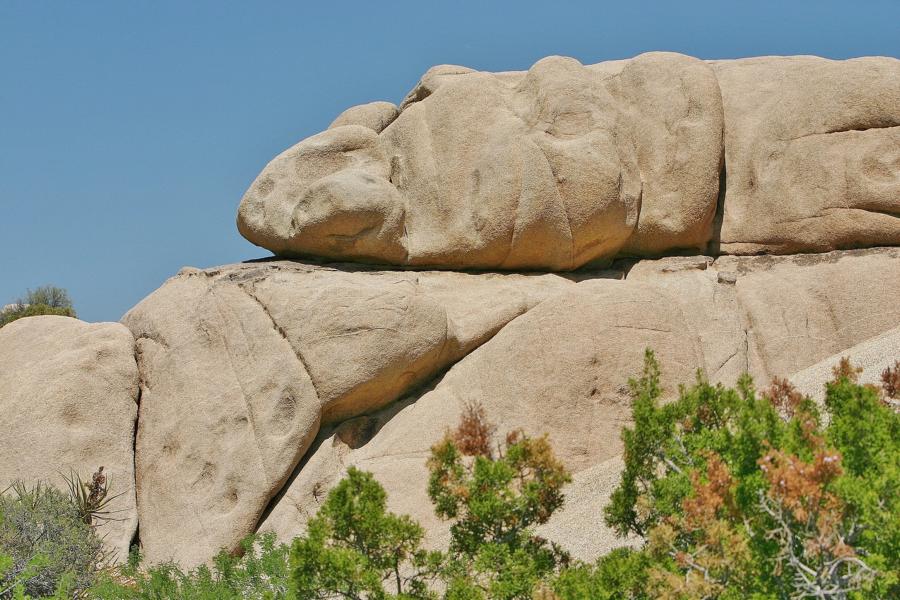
<point x="566" y="165"/>
<point x="68" y="404"/>
<point x="261" y="382"/>
<point x="240" y="366"/>
<point x="550" y="169"/>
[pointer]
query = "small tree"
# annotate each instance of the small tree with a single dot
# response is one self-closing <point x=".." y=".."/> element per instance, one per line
<point x="45" y="300"/>
<point x="494" y="502"/>
<point x="742" y="496"/>
<point x="355" y="548"/>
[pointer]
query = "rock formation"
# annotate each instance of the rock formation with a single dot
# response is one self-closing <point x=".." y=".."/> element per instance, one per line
<point x="566" y="165"/>
<point x="241" y="365"/>
<point x="259" y="383"/>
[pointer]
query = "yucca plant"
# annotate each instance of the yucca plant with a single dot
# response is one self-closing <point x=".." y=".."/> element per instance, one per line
<point x="92" y="499"/>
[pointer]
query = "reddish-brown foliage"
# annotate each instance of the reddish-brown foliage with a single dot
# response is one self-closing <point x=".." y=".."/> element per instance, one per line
<point x="801" y="492"/>
<point x="846" y="370"/>
<point x="474" y="433"/>
<point x="890" y="381"/>
<point x="784" y="396"/>
<point x="710" y="497"/>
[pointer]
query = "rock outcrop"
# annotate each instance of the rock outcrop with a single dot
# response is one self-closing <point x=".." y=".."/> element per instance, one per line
<point x="240" y="366"/>
<point x="812" y="154"/>
<point x="566" y="165"/>
<point x="68" y="404"/>
<point x="562" y="369"/>
<point x="873" y="356"/>
<point x="258" y="384"/>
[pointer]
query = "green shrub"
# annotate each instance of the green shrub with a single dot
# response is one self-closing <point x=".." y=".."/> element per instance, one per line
<point x="260" y="572"/>
<point x="44" y="543"/>
<point x="747" y="496"/>
<point x="494" y="499"/>
<point x="737" y="495"/>
<point x="355" y="548"/>
<point x="46" y="300"/>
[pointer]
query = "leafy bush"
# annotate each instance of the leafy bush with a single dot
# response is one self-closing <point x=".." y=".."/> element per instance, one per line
<point x="46" y="300"/>
<point x="260" y="572"/>
<point x="737" y="495"/>
<point x="493" y="502"/>
<point x="354" y="547"/>
<point x="44" y="544"/>
<point x="746" y="496"/>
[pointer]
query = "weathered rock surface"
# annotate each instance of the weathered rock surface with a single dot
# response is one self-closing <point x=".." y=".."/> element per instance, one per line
<point x="68" y="403"/>
<point x="812" y="153"/>
<point x="551" y="169"/>
<point x="566" y="164"/>
<point x="240" y="365"/>
<point x="261" y="382"/>
<point x="562" y="368"/>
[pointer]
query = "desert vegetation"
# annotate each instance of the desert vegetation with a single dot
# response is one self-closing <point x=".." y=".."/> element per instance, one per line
<point x="736" y="493"/>
<point x="45" y="300"/>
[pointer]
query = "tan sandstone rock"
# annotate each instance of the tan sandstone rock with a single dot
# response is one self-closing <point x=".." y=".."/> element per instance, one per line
<point x="554" y="168"/>
<point x="68" y="403"/>
<point x="241" y="364"/>
<point x="812" y="153"/>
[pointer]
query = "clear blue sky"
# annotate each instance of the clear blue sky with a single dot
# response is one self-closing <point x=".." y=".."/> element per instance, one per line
<point x="130" y="129"/>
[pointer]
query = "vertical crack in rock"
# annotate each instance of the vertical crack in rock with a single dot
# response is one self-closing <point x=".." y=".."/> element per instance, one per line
<point x="136" y="538"/>
<point x="715" y="240"/>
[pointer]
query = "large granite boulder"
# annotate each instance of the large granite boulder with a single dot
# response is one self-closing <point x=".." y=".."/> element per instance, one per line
<point x="68" y="404"/>
<point x="258" y="384"/>
<point x="566" y="165"/>
<point x="241" y="365"/>
<point x="553" y="168"/>
<point x="261" y="382"/>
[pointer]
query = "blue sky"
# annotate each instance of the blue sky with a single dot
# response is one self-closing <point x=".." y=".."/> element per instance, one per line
<point x="129" y="130"/>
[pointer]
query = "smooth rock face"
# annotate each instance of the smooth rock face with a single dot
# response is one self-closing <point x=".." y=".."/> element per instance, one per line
<point x="68" y="402"/>
<point x="562" y="369"/>
<point x="812" y="153"/>
<point x="566" y="165"/>
<point x="240" y="365"/>
<point x="549" y="169"/>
